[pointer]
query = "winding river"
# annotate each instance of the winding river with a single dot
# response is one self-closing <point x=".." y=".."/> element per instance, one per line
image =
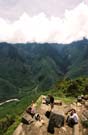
<point x="10" y="100"/>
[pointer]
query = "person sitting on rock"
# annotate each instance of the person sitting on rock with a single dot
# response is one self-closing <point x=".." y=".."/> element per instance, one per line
<point x="72" y="119"/>
<point x="37" y="117"/>
<point x="31" y="110"/>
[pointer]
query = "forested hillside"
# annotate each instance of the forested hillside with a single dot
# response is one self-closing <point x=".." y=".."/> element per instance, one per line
<point x="33" y="65"/>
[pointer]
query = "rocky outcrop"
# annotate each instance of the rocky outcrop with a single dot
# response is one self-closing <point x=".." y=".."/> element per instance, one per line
<point x="26" y="118"/>
<point x="55" y="120"/>
<point x="84" y="118"/>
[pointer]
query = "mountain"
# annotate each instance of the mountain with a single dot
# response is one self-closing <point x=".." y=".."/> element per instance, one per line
<point x="24" y="67"/>
<point x="78" y="57"/>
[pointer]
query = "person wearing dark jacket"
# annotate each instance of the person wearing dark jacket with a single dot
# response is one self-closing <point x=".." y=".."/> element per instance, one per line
<point x="51" y="101"/>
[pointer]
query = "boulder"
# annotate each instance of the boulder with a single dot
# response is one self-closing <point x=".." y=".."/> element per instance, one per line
<point x="85" y="113"/>
<point x="85" y="97"/>
<point x="55" y="120"/>
<point x="79" y="104"/>
<point x="57" y="102"/>
<point x="26" y="118"/>
<point x="84" y="119"/>
<point x="86" y="104"/>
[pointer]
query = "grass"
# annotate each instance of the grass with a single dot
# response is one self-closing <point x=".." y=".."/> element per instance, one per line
<point x="67" y="100"/>
<point x="60" y="96"/>
<point x="15" y="110"/>
<point x="85" y="123"/>
<point x="39" y="101"/>
<point x="14" y="126"/>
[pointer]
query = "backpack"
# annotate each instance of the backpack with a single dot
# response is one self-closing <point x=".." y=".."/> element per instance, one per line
<point x="71" y="121"/>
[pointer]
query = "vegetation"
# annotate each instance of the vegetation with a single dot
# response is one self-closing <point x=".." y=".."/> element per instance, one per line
<point x="85" y="123"/>
<point x="11" y="113"/>
<point x="24" y="67"/>
<point x="5" y="123"/>
<point x="72" y="88"/>
<point x="12" y="127"/>
<point x="29" y="70"/>
<point x="61" y="92"/>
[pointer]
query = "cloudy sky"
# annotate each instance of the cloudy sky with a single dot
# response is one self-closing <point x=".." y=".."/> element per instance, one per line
<point x="43" y="20"/>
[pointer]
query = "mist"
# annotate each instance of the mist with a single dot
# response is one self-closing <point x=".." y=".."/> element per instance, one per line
<point x="42" y="28"/>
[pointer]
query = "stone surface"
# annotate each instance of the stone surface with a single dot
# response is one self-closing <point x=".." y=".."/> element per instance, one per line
<point x="40" y="127"/>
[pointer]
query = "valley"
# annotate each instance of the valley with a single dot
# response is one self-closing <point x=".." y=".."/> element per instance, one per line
<point x="29" y="70"/>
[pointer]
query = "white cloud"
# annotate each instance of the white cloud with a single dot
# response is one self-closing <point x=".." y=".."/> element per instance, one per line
<point x="40" y="28"/>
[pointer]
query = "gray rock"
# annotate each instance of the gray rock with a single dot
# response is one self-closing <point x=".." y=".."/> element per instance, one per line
<point x="86" y="104"/>
<point x="56" y="120"/>
<point x="85" y="113"/>
<point x="26" y="119"/>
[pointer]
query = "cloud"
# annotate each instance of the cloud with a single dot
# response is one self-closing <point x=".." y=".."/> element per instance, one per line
<point x="40" y="28"/>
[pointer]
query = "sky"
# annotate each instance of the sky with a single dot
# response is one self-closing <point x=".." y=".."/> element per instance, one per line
<point x="57" y="21"/>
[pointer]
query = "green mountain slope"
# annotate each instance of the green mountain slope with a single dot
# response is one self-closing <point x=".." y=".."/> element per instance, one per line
<point x="33" y="65"/>
<point x="78" y="57"/>
<point x="7" y="90"/>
